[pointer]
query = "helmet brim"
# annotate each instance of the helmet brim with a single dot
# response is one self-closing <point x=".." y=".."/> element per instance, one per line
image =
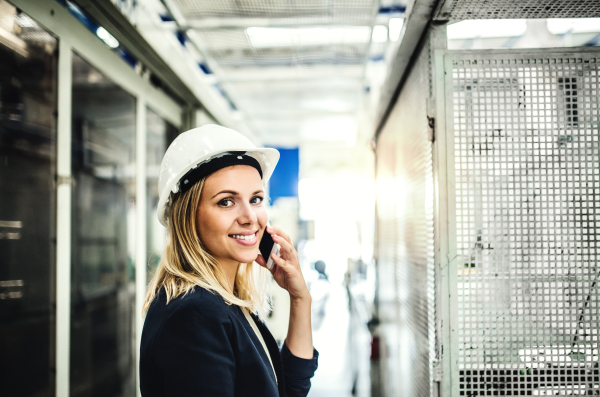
<point x="267" y="158"/>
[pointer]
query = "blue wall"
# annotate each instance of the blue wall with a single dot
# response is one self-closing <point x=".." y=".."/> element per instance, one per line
<point x="284" y="182"/>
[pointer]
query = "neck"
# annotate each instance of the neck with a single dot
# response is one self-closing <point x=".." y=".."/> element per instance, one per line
<point x="230" y="269"/>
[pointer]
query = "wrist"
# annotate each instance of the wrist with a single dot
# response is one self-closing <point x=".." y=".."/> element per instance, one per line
<point x="303" y="298"/>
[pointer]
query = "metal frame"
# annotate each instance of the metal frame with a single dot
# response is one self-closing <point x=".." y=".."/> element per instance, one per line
<point x="63" y="219"/>
<point x="531" y="52"/>
<point x="442" y="227"/>
<point x="141" y="259"/>
<point x="526" y="9"/>
<point x="450" y="359"/>
<point x="74" y="37"/>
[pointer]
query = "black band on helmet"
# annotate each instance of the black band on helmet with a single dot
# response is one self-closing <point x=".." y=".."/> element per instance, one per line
<point x="214" y="165"/>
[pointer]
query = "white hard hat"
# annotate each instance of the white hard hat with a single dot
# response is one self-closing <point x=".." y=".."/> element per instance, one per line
<point x="199" y="145"/>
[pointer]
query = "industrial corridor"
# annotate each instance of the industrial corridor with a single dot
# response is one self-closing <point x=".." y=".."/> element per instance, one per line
<point x="431" y="167"/>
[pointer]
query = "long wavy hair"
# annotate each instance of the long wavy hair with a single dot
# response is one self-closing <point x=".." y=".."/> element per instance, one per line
<point x="186" y="263"/>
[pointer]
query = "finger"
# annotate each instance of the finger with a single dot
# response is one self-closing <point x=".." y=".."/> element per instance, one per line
<point x="279" y="232"/>
<point x="285" y="246"/>
<point x="261" y="262"/>
<point x="279" y="261"/>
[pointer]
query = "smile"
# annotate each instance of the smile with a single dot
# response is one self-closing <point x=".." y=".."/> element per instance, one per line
<point x="244" y="239"/>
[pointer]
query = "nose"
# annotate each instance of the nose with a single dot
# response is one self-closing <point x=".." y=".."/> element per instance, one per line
<point x="247" y="215"/>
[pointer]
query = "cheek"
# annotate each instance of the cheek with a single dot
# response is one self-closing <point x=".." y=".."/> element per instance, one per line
<point x="261" y="216"/>
<point x="210" y="225"/>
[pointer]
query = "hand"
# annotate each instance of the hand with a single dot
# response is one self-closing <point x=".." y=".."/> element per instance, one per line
<point x="286" y="270"/>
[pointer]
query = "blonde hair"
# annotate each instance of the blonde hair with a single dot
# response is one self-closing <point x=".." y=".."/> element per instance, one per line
<point x="186" y="263"/>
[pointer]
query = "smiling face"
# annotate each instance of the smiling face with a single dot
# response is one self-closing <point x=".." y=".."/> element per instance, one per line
<point x="231" y="216"/>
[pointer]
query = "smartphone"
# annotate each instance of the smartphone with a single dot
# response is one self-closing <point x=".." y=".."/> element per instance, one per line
<point x="266" y="247"/>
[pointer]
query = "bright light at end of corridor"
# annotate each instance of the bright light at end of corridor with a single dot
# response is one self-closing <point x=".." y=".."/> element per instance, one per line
<point x="107" y="37"/>
<point x="331" y="129"/>
<point x="342" y="210"/>
<point x="348" y="198"/>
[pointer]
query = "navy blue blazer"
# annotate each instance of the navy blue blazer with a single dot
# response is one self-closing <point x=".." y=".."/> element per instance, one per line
<point x="197" y="345"/>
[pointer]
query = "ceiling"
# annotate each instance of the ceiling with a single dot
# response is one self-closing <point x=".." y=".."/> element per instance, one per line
<point x="291" y="70"/>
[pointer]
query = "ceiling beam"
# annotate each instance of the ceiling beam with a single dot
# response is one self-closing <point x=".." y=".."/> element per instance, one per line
<point x="243" y="23"/>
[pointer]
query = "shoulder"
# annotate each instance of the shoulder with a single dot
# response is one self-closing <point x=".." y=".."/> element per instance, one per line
<point x="199" y="301"/>
<point x="196" y="311"/>
<point x="187" y="345"/>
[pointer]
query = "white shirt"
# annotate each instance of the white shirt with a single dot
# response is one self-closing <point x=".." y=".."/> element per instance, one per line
<point x="259" y="336"/>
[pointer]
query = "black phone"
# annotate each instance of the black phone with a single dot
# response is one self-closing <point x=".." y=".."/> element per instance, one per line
<point x="266" y="247"/>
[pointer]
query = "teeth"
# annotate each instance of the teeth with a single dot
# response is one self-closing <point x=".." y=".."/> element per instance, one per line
<point x="240" y="237"/>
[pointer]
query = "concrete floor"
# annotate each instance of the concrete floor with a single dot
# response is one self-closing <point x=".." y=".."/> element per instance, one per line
<point x="343" y="344"/>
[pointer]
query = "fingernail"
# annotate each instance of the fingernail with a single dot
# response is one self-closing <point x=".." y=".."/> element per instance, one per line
<point x="275" y="237"/>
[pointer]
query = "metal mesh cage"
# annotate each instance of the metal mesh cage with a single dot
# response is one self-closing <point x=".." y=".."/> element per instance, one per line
<point x="527" y="189"/>
<point x="405" y="240"/>
<point x="517" y="9"/>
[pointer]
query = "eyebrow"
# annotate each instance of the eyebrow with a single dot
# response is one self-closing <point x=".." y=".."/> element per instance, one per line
<point x="234" y="193"/>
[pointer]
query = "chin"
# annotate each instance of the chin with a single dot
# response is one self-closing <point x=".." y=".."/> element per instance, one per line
<point x="247" y="257"/>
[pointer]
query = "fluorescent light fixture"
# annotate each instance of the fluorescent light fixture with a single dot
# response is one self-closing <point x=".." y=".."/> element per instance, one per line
<point x="395" y="28"/>
<point x="107" y="37"/>
<point x="573" y="25"/>
<point x="380" y="34"/>
<point x="290" y="37"/>
<point x="487" y="28"/>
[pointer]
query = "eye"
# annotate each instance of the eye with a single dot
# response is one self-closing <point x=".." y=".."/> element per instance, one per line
<point x="226" y="202"/>
<point x="256" y="200"/>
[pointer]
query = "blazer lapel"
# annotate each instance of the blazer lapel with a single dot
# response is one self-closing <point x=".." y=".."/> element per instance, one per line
<point x="274" y="352"/>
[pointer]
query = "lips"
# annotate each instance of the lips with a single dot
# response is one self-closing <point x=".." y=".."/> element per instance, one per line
<point x="245" y="238"/>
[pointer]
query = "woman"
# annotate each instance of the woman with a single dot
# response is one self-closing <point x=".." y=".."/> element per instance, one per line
<point x="201" y="336"/>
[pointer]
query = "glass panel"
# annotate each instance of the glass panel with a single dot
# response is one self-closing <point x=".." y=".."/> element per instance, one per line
<point x="102" y="347"/>
<point x="159" y="137"/>
<point x="28" y="75"/>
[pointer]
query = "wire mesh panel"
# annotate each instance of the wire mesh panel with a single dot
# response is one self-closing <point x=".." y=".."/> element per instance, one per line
<point x="517" y="9"/>
<point x="527" y="184"/>
<point x="405" y="240"/>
